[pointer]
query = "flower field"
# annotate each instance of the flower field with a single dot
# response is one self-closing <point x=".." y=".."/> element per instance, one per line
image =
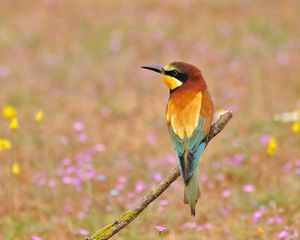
<point x="83" y="133"/>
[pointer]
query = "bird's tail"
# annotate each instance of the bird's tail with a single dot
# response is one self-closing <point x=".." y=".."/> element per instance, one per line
<point x="192" y="191"/>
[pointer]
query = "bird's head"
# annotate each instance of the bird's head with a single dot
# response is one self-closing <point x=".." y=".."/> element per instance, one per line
<point x="176" y="74"/>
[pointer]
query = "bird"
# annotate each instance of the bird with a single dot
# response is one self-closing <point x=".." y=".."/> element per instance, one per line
<point x="189" y="116"/>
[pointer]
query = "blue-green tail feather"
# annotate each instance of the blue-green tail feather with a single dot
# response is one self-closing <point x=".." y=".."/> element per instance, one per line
<point x="189" y="151"/>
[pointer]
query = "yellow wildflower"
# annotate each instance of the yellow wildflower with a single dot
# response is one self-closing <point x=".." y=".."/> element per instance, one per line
<point x="260" y="231"/>
<point x="272" y="146"/>
<point x="39" y="116"/>
<point x="14" y="124"/>
<point x="15" y="169"/>
<point x="5" y="144"/>
<point x="9" y="112"/>
<point x="296" y="127"/>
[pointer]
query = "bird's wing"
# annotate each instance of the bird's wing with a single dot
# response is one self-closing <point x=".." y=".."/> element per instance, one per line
<point x="189" y="149"/>
<point x="188" y="132"/>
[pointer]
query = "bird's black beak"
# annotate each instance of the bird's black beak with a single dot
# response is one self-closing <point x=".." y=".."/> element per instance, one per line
<point x="158" y="69"/>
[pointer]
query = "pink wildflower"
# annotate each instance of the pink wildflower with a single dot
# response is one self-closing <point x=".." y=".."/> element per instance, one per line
<point x="163" y="202"/>
<point x="226" y="193"/>
<point x="282" y="235"/>
<point x="139" y="187"/>
<point x="160" y="228"/>
<point x="100" y="147"/>
<point x="258" y="214"/>
<point x="265" y="139"/>
<point x="82" y="232"/>
<point x="36" y="238"/>
<point x="157" y="177"/>
<point x="82" y="137"/>
<point x="79" y="126"/>
<point x="248" y="188"/>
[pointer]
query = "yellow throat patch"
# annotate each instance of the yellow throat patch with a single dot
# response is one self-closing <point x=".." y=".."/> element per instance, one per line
<point x="170" y="81"/>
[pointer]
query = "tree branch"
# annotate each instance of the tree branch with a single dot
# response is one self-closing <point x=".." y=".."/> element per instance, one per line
<point x="127" y="217"/>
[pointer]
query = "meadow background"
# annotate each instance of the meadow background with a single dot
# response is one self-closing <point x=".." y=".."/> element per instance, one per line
<point x="82" y="129"/>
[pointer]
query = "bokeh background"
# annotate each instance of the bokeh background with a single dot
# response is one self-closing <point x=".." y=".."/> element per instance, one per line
<point x="83" y="134"/>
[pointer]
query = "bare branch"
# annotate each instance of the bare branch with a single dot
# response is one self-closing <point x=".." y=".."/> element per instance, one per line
<point x="127" y="217"/>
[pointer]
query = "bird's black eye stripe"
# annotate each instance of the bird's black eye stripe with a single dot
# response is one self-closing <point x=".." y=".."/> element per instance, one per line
<point x="178" y="75"/>
<point x="173" y="73"/>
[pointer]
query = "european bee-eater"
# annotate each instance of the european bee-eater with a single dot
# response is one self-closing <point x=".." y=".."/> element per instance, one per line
<point x="189" y="116"/>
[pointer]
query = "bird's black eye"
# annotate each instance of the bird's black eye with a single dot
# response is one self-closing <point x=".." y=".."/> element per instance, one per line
<point x="175" y="73"/>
